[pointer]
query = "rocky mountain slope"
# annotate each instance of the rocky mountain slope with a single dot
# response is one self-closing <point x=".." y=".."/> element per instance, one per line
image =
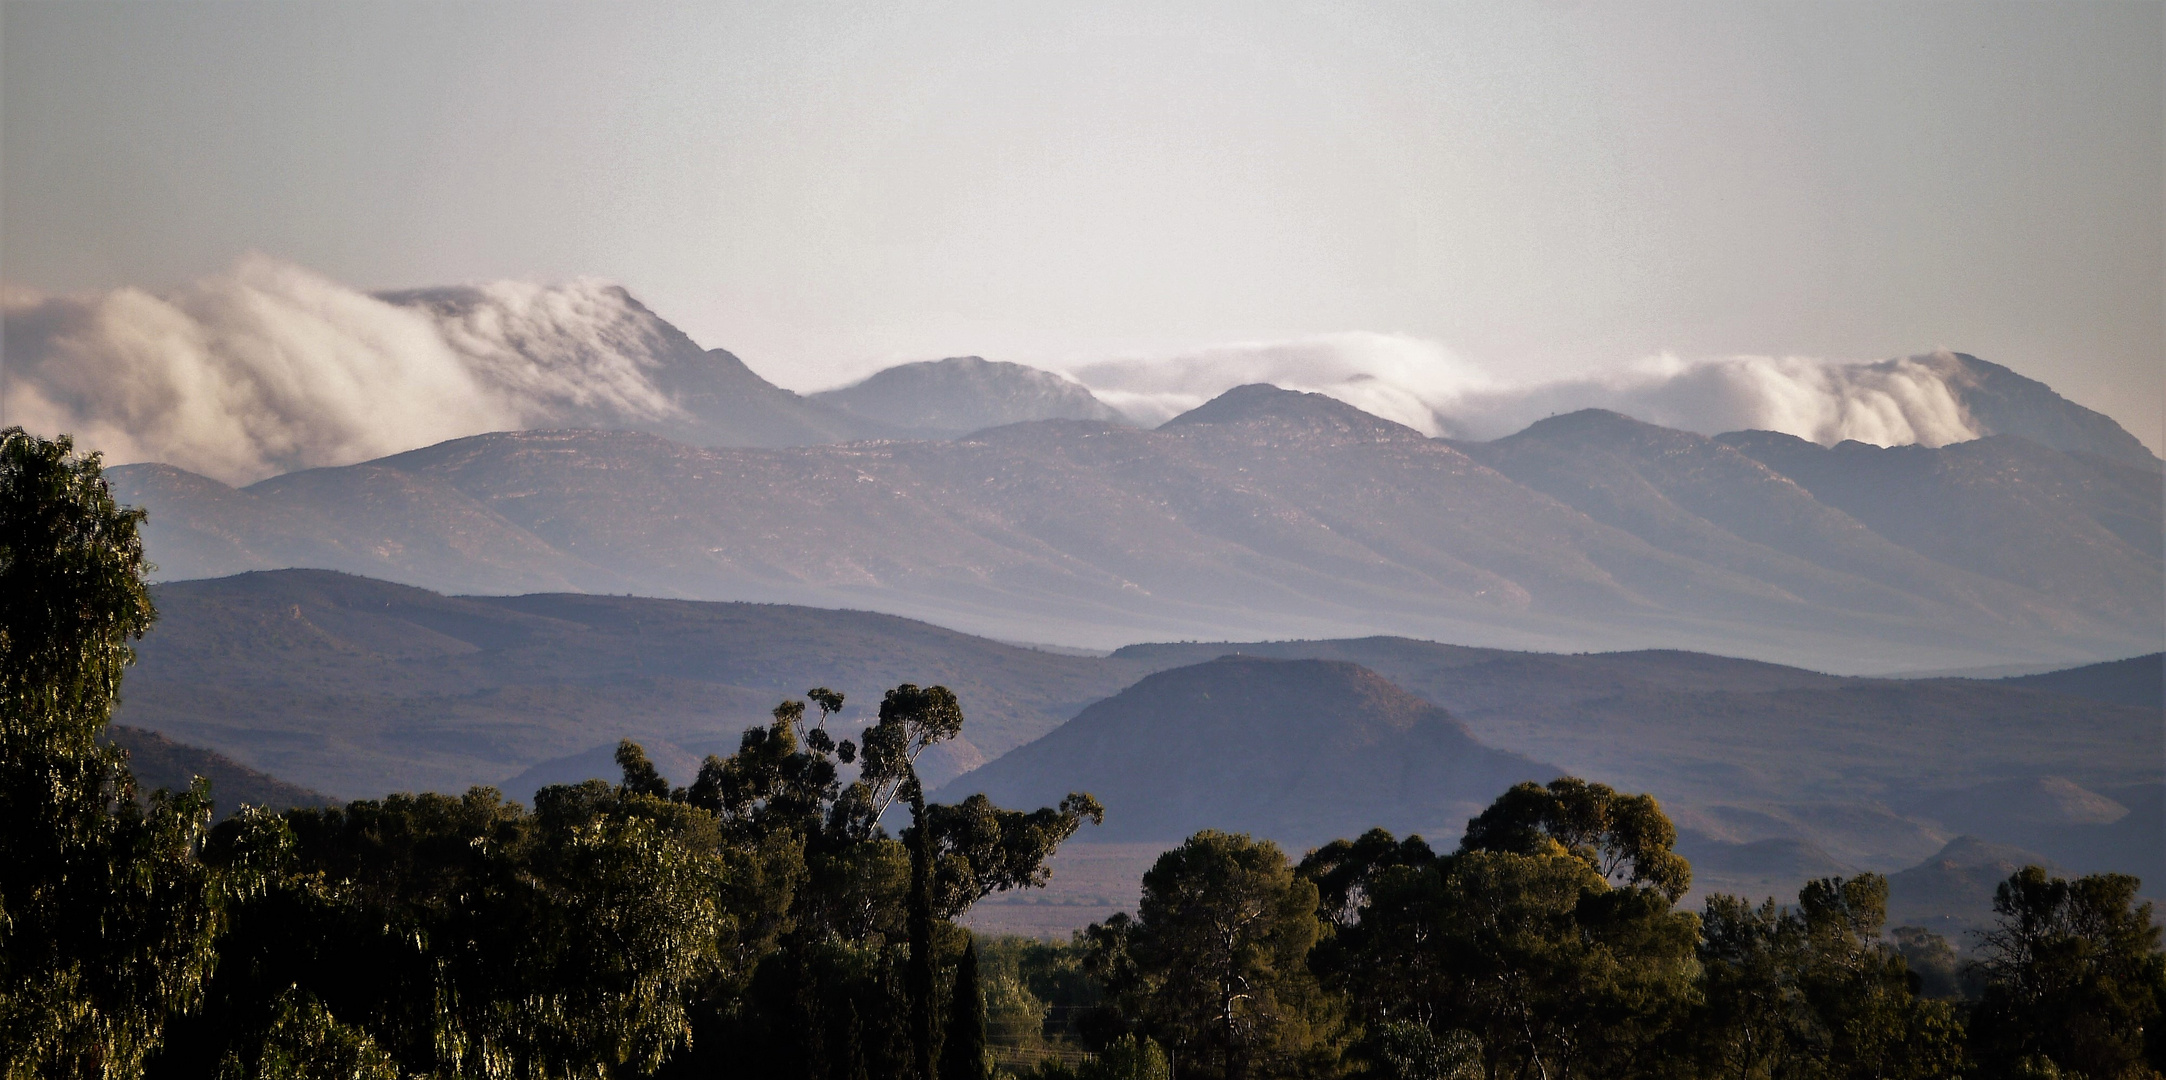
<point x="2001" y="402"/>
<point x="1261" y="513"/>
<point x="962" y="394"/>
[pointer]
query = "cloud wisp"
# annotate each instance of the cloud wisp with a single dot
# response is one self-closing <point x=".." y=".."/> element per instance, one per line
<point x="1425" y="386"/>
<point x="269" y="368"/>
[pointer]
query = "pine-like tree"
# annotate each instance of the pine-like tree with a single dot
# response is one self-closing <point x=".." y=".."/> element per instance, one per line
<point x="962" y="1052"/>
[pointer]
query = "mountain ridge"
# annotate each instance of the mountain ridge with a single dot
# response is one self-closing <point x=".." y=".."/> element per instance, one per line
<point x="357" y="687"/>
<point x="1262" y="513"/>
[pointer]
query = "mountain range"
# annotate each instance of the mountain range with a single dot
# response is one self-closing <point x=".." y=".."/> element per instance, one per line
<point x="1008" y="501"/>
<point x="1261" y="513"/>
<point x="519" y="338"/>
<point x="354" y="687"/>
<point x="681" y="391"/>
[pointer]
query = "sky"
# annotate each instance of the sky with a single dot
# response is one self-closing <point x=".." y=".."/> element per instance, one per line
<point x="1544" y="190"/>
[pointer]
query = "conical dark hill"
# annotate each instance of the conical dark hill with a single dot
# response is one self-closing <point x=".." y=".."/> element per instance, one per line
<point x="1299" y="751"/>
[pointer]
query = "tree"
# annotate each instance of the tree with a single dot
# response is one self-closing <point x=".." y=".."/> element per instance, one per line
<point x="1625" y="838"/>
<point x="1544" y="947"/>
<point x="853" y="978"/>
<point x="2075" y="980"/>
<point x="1557" y="973"/>
<point x="1214" y="966"/>
<point x="305" y="1042"/>
<point x="1128" y="1058"/>
<point x="963" y="1048"/>
<point x="1867" y="1019"/>
<point x="107" y="916"/>
<point x="467" y="936"/>
<point x="1751" y="1014"/>
<point x="1815" y="992"/>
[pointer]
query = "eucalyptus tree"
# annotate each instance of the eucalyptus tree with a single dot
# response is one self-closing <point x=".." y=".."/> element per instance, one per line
<point x="107" y="915"/>
<point x="862" y="920"/>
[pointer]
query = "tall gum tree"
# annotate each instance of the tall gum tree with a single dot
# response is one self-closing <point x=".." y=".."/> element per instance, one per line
<point x="107" y="914"/>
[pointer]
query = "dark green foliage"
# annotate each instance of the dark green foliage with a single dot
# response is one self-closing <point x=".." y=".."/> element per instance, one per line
<point x="858" y="943"/>
<point x="1933" y="961"/>
<point x="1625" y="838"/>
<point x="72" y="594"/>
<point x="963" y="1044"/>
<point x="106" y="914"/>
<point x="305" y="1042"/>
<point x="1215" y="965"/>
<point x="1129" y="1057"/>
<point x="758" y="923"/>
<point x="2075" y="982"/>
<point x="470" y="936"/>
<point x="921" y="978"/>
<point x="1404" y="1050"/>
<point x="1037" y="992"/>
<point x="1546" y="946"/>
<point x="1815" y="992"/>
<point x="1866" y="1018"/>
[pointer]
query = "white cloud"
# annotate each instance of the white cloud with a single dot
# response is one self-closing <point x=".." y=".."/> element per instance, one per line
<point x="269" y="368"/>
<point x="1399" y="378"/>
<point x="1425" y="386"/>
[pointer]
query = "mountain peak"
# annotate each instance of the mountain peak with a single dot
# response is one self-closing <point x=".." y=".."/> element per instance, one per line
<point x="1264" y="403"/>
<point x="1603" y="424"/>
<point x="590" y="354"/>
<point x="2001" y="402"/>
<point x="962" y="394"/>
<point x="1298" y="751"/>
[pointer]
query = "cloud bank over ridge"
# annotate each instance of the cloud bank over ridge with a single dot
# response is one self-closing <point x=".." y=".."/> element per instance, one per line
<point x="269" y="367"/>
<point x="1425" y="386"/>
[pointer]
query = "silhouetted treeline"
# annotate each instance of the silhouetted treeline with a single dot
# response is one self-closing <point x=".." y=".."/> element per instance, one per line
<point x="764" y="923"/>
<point x="1548" y="945"/>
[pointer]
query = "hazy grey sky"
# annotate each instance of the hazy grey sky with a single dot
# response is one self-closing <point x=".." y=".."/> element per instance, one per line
<point x="1544" y="188"/>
